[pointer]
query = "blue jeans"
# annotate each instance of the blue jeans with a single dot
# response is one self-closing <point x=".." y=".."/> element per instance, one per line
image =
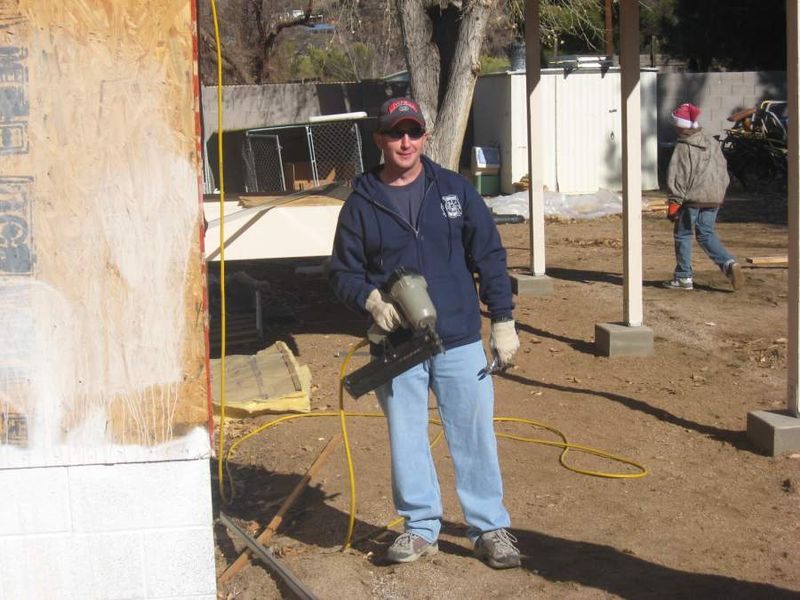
<point x="466" y="408"/>
<point x="702" y="221"/>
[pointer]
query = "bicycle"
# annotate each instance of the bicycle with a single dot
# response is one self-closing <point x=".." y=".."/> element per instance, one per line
<point x="755" y="147"/>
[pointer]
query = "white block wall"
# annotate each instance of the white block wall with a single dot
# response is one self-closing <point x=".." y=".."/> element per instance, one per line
<point x="581" y="127"/>
<point x="107" y="532"/>
<point x="717" y="94"/>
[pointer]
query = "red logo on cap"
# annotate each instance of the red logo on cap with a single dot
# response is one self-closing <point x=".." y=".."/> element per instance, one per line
<point x="402" y="106"/>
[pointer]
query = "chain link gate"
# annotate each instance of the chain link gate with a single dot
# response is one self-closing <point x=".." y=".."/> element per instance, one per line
<point x="263" y="163"/>
<point x="334" y="154"/>
<point x="335" y="150"/>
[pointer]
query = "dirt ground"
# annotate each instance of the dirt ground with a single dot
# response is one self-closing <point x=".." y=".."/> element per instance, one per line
<point x="712" y="519"/>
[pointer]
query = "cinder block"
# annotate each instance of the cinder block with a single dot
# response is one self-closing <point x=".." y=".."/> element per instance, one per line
<point x="180" y="562"/>
<point x="743" y="89"/>
<point x="108" y="566"/>
<point x="615" y="339"/>
<point x="140" y="495"/>
<point x="34" y="501"/>
<point x="531" y="285"/>
<point x="751" y="78"/>
<point x="773" y="432"/>
<point x="36" y="567"/>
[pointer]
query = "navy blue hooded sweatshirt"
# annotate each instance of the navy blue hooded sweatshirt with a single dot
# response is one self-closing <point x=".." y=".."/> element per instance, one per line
<point x="455" y="237"/>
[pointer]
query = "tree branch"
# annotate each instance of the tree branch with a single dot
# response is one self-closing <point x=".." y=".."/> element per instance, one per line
<point x="240" y="70"/>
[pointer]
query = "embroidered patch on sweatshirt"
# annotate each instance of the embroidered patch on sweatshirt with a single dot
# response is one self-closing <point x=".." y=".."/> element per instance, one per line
<point x="451" y="206"/>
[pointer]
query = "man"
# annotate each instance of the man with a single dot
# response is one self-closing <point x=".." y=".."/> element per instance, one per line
<point x="412" y="213"/>
<point x="697" y="179"/>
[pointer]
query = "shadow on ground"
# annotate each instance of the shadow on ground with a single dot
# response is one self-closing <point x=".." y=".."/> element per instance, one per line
<point x="737" y="439"/>
<point x="616" y="571"/>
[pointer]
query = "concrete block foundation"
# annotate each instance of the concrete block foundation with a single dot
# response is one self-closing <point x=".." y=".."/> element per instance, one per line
<point x="130" y="531"/>
<point x="773" y="432"/>
<point x="616" y="339"/>
<point x="531" y="285"/>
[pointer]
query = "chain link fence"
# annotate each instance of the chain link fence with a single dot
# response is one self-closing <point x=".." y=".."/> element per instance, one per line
<point x="330" y="152"/>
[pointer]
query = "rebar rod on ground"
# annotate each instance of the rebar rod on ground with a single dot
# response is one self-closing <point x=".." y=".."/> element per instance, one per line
<point x="270" y="560"/>
<point x="266" y="535"/>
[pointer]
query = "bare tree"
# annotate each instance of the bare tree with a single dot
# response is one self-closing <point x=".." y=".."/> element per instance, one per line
<point x="250" y="30"/>
<point x="442" y="42"/>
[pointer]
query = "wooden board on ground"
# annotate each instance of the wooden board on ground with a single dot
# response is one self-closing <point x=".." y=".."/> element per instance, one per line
<point x="768" y="261"/>
<point x="271" y="381"/>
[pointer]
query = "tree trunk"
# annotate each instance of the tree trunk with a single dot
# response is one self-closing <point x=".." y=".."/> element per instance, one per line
<point x="442" y="47"/>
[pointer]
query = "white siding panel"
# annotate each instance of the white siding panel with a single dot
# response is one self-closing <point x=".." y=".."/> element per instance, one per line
<point x="588" y="152"/>
<point x="582" y="128"/>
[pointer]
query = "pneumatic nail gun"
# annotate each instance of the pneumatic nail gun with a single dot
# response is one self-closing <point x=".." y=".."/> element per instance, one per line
<point x="409" y="292"/>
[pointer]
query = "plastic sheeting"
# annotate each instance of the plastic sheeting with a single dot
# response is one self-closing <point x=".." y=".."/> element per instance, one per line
<point x="567" y="206"/>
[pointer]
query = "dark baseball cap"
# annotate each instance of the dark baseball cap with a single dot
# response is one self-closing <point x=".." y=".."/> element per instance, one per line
<point x="395" y="110"/>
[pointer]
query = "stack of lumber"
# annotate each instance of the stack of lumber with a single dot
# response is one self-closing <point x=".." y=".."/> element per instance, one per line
<point x="333" y="193"/>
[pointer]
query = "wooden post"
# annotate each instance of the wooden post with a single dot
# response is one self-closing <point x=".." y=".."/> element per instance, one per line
<point x="609" y="31"/>
<point x="631" y="162"/>
<point x="793" y="97"/>
<point x="533" y="80"/>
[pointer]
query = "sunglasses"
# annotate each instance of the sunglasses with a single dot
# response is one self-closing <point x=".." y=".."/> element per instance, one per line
<point x="413" y="133"/>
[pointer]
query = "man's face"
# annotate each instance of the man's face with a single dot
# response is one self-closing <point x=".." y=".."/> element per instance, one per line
<point x="402" y="146"/>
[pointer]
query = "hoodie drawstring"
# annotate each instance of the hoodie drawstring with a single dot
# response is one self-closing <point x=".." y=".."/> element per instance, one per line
<point x="380" y="234"/>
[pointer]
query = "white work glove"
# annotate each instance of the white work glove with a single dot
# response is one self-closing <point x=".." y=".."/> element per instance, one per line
<point x="383" y="311"/>
<point x="504" y="341"/>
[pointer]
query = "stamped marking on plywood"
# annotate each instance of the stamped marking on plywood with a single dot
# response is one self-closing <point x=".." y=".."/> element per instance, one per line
<point x="13" y="429"/>
<point x="14" y="102"/>
<point x="16" y="244"/>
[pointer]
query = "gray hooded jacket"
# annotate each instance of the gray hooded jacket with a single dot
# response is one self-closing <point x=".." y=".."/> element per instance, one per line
<point x="698" y="172"/>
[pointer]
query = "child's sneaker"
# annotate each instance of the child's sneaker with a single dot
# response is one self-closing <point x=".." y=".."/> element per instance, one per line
<point x="679" y="283"/>
<point x="733" y="271"/>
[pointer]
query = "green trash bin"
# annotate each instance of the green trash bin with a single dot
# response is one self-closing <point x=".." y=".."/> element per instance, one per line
<point x="486" y="184"/>
<point x="485" y="167"/>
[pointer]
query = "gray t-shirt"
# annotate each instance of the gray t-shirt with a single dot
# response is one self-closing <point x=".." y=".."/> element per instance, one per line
<point x="407" y="199"/>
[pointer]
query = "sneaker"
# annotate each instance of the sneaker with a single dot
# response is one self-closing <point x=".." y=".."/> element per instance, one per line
<point x="679" y="283"/>
<point x="733" y="271"/>
<point x="497" y="549"/>
<point x="408" y="547"/>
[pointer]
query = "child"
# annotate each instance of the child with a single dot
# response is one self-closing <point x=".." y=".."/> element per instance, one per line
<point x="697" y="179"/>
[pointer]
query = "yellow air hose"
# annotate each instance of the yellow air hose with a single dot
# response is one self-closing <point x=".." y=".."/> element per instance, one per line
<point x="223" y="319"/>
<point x="564" y="444"/>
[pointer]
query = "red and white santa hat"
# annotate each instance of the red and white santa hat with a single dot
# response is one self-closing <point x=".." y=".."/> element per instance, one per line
<point x="686" y="116"/>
